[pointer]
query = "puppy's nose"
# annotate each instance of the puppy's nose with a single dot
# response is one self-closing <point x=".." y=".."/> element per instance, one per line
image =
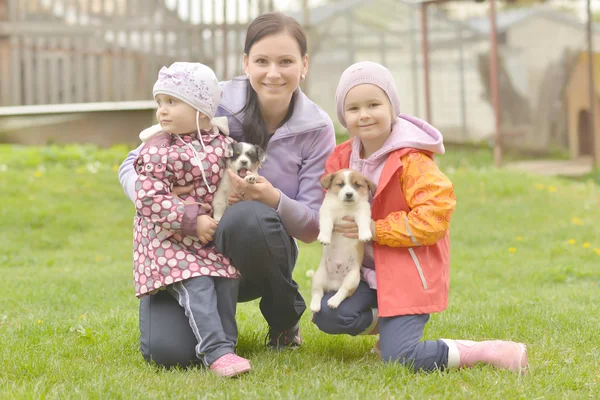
<point x="349" y="195"/>
<point x="244" y="162"/>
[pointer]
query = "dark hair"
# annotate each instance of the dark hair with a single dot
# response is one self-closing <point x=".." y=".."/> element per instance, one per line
<point x="255" y="130"/>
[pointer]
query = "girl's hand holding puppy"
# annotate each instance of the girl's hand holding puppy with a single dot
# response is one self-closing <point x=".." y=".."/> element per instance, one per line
<point x="350" y="230"/>
<point x="205" y="228"/>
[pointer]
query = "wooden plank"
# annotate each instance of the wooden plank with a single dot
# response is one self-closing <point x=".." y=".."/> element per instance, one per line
<point x="104" y="72"/>
<point x="66" y="63"/>
<point x="15" y="72"/>
<point x="128" y="80"/>
<point x="5" y="76"/>
<point x="116" y="68"/>
<point x="214" y="44"/>
<point x="91" y="73"/>
<point x="79" y="69"/>
<point x="78" y="107"/>
<point x="13" y="10"/>
<point x="28" y="77"/>
<point x="64" y="29"/>
<point x="55" y="75"/>
<point x="40" y="71"/>
<point x="225" y="48"/>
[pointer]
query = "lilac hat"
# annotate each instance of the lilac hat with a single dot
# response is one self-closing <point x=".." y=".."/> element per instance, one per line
<point x="194" y="83"/>
<point x="366" y="72"/>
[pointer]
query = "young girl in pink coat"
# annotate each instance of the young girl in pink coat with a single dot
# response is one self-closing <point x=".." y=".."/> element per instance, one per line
<point x="173" y="248"/>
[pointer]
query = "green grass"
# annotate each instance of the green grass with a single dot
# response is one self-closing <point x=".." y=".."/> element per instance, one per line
<point x="69" y="322"/>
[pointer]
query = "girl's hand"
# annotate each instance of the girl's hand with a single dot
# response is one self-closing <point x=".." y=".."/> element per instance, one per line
<point x="179" y="190"/>
<point x="350" y="230"/>
<point x="261" y="191"/>
<point x="205" y="228"/>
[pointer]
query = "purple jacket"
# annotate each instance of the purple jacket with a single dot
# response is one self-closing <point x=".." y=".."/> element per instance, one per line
<point x="295" y="158"/>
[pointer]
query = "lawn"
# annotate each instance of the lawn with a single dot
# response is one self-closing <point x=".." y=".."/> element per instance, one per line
<point x="525" y="257"/>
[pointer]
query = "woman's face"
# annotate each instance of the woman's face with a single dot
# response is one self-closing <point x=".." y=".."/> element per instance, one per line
<point x="275" y="66"/>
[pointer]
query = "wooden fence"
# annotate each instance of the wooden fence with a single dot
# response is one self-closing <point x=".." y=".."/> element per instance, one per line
<point x="74" y="51"/>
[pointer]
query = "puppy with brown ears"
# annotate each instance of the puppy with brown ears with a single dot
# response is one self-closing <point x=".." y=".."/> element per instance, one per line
<point x="339" y="270"/>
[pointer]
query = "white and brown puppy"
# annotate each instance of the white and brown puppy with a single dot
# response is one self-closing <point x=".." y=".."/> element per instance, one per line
<point x="339" y="270"/>
<point x="244" y="159"/>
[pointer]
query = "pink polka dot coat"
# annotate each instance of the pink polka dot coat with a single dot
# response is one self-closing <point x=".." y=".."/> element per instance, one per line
<point x="162" y="253"/>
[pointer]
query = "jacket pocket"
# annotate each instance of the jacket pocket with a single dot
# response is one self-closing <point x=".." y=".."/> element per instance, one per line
<point x="418" y="265"/>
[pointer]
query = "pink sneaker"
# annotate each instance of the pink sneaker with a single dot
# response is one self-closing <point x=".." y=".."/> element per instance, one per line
<point x="499" y="353"/>
<point x="230" y="365"/>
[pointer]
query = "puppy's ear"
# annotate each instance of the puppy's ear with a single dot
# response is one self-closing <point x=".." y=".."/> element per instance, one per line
<point x="260" y="154"/>
<point x="372" y="186"/>
<point x="326" y="181"/>
<point x="229" y="151"/>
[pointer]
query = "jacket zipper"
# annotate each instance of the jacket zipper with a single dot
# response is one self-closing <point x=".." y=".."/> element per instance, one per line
<point x="418" y="265"/>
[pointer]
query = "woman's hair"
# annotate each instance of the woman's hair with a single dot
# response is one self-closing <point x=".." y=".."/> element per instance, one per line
<point x="255" y="129"/>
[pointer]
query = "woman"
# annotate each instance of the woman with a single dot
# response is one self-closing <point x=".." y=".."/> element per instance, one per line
<point x="257" y="232"/>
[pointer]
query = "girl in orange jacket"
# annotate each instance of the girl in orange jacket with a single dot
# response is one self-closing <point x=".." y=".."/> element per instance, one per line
<point x="406" y="269"/>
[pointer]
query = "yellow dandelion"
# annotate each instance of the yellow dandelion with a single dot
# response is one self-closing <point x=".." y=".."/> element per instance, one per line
<point x="597" y="251"/>
<point x="552" y="189"/>
<point x="519" y="238"/>
<point x="37" y="174"/>
<point x="539" y="186"/>
<point x="115" y="168"/>
<point x="512" y="249"/>
<point x="576" y="221"/>
<point x="586" y="245"/>
<point x="98" y="258"/>
<point x="40" y="321"/>
<point x="572" y="241"/>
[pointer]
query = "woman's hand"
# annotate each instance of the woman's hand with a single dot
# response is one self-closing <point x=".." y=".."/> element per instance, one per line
<point x="350" y="230"/>
<point x="261" y="191"/>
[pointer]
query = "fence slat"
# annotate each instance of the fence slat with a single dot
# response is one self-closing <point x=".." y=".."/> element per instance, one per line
<point x="40" y="70"/>
<point x="28" y="78"/>
<point x="66" y="64"/>
<point x="115" y="77"/>
<point x="15" y="72"/>
<point x="91" y="75"/>
<point x="55" y="76"/>
<point x="79" y="69"/>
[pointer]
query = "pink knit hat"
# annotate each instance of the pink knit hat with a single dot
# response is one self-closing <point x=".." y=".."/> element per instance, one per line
<point x="194" y="83"/>
<point x="366" y="72"/>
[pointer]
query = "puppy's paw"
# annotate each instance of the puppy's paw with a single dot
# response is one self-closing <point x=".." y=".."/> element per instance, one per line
<point x="334" y="301"/>
<point x="365" y="236"/>
<point x="250" y="178"/>
<point x="315" y="306"/>
<point x="324" y="239"/>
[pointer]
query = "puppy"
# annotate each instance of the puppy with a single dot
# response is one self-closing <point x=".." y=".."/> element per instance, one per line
<point x="339" y="270"/>
<point x="244" y="159"/>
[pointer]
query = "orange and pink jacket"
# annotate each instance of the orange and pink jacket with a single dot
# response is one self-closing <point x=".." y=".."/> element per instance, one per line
<point x="412" y="208"/>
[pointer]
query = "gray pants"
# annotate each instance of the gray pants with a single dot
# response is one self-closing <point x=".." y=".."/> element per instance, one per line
<point x="209" y="304"/>
<point x="251" y="235"/>
<point x="400" y="337"/>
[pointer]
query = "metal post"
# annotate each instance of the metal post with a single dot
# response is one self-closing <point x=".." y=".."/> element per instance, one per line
<point x="592" y="90"/>
<point x="494" y="84"/>
<point x="425" y="51"/>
